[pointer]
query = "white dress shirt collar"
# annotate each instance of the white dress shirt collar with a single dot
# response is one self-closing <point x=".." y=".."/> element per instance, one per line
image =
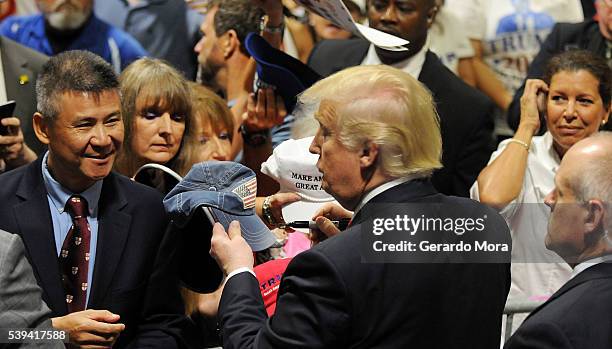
<point x="381" y="188"/>
<point x="412" y="65"/>
<point x="59" y="195"/>
<point x="589" y="263"/>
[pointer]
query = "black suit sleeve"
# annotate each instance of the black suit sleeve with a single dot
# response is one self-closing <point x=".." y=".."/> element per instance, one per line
<point x="475" y="152"/>
<point x="311" y="311"/>
<point x="550" y="47"/>
<point x="312" y="57"/>
<point x="543" y="335"/>
<point x="319" y="60"/>
<point x="164" y="324"/>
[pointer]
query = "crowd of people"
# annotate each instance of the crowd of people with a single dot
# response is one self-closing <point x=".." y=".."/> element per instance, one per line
<point x="197" y="174"/>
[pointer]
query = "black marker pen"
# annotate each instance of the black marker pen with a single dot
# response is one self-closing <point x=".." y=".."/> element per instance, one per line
<point x="340" y="224"/>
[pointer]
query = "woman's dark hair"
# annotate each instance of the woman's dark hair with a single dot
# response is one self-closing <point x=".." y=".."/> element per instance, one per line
<point x="576" y="60"/>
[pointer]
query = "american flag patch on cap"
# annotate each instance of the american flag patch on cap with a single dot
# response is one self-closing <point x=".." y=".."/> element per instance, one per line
<point x="247" y="192"/>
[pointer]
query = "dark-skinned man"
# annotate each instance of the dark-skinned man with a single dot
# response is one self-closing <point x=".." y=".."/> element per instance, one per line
<point x="466" y="115"/>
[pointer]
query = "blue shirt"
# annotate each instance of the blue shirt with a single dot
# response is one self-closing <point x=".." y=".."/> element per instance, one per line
<point x="167" y="29"/>
<point x="57" y="196"/>
<point x="114" y="45"/>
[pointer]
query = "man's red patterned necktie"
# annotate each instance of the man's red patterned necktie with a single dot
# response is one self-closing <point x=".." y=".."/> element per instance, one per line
<point x="74" y="256"/>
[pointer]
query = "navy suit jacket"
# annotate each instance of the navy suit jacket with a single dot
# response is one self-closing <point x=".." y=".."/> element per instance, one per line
<point x="577" y="316"/>
<point x="329" y="298"/>
<point x="466" y="115"/>
<point x="135" y="268"/>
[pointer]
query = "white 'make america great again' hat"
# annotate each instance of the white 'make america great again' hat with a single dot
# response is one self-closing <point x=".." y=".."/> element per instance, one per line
<point x="294" y="168"/>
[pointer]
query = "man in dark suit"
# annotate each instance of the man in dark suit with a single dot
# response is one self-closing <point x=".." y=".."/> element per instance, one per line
<point x="579" y="314"/>
<point x="378" y="142"/>
<point x="95" y="239"/>
<point x="591" y="35"/>
<point x="20" y="67"/>
<point x="466" y="115"/>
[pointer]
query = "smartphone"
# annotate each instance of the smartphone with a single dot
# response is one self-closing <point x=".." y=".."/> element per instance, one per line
<point x="6" y="111"/>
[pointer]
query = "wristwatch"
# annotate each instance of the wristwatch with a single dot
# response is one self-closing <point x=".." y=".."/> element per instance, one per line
<point x="267" y="212"/>
<point x="254" y="138"/>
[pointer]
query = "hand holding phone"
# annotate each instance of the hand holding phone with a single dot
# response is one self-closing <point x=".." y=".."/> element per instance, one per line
<point x="13" y="150"/>
<point x="6" y="111"/>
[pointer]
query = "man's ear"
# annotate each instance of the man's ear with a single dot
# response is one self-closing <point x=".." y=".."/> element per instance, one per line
<point x="595" y="217"/>
<point x="41" y="127"/>
<point x="431" y="15"/>
<point x="606" y="118"/>
<point x="369" y="155"/>
<point x="230" y="44"/>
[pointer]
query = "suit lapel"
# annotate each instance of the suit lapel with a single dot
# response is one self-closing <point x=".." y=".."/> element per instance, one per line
<point x="15" y="67"/>
<point x="599" y="271"/>
<point x="38" y="237"/>
<point x="357" y="56"/>
<point x="352" y="56"/>
<point x="21" y="66"/>
<point x="113" y="230"/>
<point x="413" y="190"/>
<point x="430" y="71"/>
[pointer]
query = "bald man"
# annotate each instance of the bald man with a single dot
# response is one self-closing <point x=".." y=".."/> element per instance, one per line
<point x="579" y="314"/>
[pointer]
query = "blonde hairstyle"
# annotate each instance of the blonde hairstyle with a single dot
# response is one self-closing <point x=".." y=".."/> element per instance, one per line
<point x="386" y="106"/>
<point x="161" y="85"/>
<point x="209" y="109"/>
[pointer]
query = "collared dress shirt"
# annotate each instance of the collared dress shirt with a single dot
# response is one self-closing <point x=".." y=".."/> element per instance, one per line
<point x="590" y="263"/>
<point x="57" y="196"/>
<point x="412" y="65"/>
<point x="527" y="216"/>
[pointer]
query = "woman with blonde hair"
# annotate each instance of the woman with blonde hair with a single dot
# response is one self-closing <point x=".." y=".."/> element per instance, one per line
<point x="156" y="110"/>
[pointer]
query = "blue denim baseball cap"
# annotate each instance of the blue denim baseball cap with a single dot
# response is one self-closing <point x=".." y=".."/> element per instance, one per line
<point x="229" y="190"/>
<point x="274" y="67"/>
